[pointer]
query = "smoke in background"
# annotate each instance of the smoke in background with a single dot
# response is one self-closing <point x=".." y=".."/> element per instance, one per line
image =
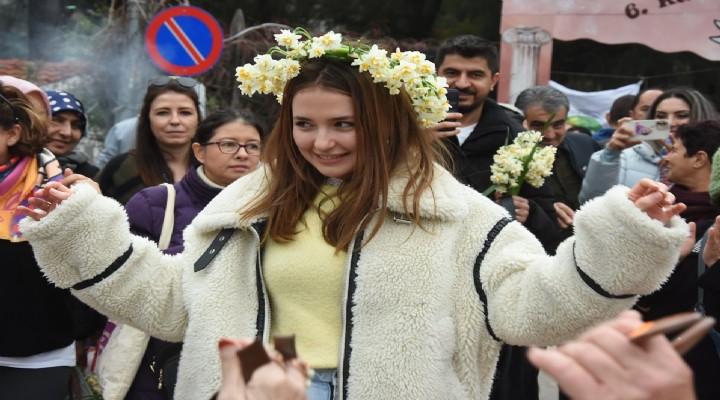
<point x="98" y="54"/>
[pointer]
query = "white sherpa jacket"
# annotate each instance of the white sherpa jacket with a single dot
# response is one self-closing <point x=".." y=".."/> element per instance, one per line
<point x="419" y="316"/>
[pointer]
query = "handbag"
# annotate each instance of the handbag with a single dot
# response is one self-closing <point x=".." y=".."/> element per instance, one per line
<point x="165" y="367"/>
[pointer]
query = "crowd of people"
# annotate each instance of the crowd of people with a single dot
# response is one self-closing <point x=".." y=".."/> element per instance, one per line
<point x="363" y="231"/>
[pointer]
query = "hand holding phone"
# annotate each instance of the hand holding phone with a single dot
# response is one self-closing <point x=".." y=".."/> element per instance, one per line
<point x="649" y="129"/>
<point x="453" y="97"/>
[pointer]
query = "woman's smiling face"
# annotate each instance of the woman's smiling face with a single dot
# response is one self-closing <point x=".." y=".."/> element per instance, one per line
<point x="675" y="110"/>
<point x="324" y="130"/>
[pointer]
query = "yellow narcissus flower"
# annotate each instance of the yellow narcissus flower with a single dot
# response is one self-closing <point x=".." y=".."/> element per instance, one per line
<point x="330" y="40"/>
<point x="316" y="50"/>
<point x="287" y="38"/>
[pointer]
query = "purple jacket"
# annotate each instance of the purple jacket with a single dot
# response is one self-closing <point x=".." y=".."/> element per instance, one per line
<point x="146" y="209"/>
<point x="146" y="212"/>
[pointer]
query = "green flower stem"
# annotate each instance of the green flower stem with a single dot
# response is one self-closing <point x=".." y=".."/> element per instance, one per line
<point x="489" y="190"/>
<point x="513" y="191"/>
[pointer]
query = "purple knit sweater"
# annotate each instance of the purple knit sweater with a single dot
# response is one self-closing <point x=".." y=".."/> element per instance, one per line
<point x="146" y="209"/>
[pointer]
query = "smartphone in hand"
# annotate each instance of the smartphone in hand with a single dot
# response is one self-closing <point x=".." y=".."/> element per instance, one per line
<point x="649" y="129"/>
<point x="453" y="97"/>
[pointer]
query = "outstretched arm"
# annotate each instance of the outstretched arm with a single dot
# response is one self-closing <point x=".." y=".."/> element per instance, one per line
<point x="626" y="244"/>
<point x="82" y="242"/>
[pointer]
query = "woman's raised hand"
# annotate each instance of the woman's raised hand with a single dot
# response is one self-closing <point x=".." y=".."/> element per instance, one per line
<point x="45" y="200"/>
<point x="655" y="199"/>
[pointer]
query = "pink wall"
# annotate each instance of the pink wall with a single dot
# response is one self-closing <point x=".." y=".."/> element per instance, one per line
<point x="664" y="25"/>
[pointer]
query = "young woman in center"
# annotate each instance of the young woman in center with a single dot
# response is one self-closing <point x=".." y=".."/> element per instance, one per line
<point x="397" y="280"/>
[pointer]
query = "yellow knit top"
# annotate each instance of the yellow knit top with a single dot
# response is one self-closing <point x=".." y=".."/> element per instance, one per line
<point x="304" y="279"/>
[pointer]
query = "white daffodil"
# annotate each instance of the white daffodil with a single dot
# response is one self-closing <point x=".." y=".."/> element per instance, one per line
<point x="330" y="40"/>
<point x="316" y="50"/>
<point x="287" y="38"/>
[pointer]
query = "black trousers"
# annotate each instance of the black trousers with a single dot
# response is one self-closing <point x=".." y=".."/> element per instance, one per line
<point x="32" y="384"/>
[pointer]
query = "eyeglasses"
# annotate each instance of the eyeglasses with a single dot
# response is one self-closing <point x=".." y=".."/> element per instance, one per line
<point x="15" y="119"/>
<point x="253" y="149"/>
<point x="183" y="81"/>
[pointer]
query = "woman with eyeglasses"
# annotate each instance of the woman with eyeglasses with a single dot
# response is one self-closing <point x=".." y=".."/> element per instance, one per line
<point x="168" y="119"/>
<point x="227" y="146"/>
<point x="37" y="350"/>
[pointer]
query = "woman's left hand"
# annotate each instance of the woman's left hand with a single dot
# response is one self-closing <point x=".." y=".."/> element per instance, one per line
<point x="655" y="200"/>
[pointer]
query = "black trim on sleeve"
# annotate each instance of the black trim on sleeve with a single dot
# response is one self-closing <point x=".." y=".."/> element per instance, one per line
<point x="594" y="285"/>
<point x="108" y="271"/>
<point x="476" y="270"/>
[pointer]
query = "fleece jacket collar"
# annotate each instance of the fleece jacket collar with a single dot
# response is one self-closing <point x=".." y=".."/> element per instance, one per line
<point x="440" y="202"/>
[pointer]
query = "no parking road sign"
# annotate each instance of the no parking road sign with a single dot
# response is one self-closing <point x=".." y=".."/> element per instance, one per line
<point x="184" y="40"/>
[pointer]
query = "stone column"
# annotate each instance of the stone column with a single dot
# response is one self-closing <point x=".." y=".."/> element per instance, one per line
<point x="526" y="42"/>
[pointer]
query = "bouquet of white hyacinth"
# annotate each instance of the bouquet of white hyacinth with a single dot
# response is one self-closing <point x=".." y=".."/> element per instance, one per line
<point x="523" y="160"/>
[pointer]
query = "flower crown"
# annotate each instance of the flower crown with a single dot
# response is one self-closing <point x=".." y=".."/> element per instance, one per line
<point x="408" y="69"/>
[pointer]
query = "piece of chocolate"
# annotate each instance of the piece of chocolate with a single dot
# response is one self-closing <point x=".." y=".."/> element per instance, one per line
<point x="285" y="345"/>
<point x="252" y="358"/>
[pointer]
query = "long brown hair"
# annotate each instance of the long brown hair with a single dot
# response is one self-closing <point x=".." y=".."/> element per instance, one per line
<point x="389" y="139"/>
<point x="33" y="135"/>
<point x="150" y="163"/>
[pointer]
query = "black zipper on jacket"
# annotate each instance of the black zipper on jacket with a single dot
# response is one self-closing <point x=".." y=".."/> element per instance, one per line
<point x="350" y="290"/>
<point x="258" y="229"/>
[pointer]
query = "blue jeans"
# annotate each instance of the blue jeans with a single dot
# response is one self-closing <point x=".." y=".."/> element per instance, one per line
<point x="323" y="385"/>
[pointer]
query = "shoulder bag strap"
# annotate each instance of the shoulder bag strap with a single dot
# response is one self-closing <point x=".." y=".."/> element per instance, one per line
<point x="169" y="220"/>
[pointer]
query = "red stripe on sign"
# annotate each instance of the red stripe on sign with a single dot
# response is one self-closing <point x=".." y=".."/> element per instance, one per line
<point x="184" y="41"/>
